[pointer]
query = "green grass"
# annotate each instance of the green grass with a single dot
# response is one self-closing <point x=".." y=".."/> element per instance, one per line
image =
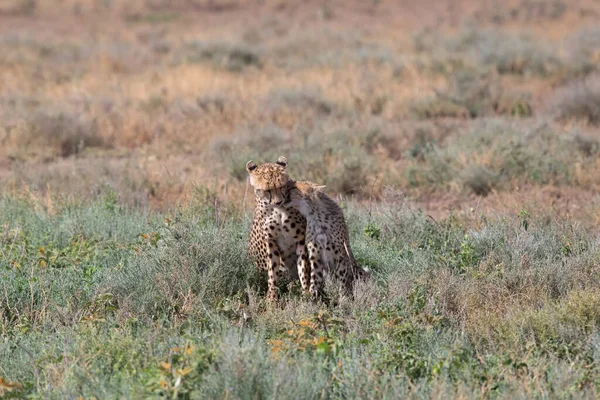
<point x="107" y="302"/>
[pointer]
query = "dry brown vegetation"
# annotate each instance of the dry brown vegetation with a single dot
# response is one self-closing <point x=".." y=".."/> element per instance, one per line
<point x="177" y="94"/>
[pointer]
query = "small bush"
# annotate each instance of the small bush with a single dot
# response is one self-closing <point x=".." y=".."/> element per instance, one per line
<point x="438" y="107"/>
<point x="494" y="154"/>
<point x="587" y="145"/>
<point x="472" y="94"/>
<point x="261" y="144"/>
<point x="505" y="53"/>
<point x="59" y="135"/>
<point x="524" y="10"/>
<point x="302" y="100"/>
<point x="18" y="7"/>
<point x="477" y="93"/>
<point x="579" y="100"/>
<point x="213" y="103"/>
<point x="232" y="57"/>
<point x="236" y="373"/>
<point x="152" y="18"/>
<point x="86" y="179"/>
<point x="182" y="265"/>
<point x="479" y="180"/>
<point x="583" y="49"/>
<point x="509" y="54"/>
<point x="314" y="155"/>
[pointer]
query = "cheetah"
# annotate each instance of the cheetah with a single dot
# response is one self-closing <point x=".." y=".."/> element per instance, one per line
<point x="327" y="237"/>
<point x="277" y="235"/>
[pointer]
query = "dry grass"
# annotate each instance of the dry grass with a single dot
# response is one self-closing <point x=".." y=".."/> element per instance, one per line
<point x="579" y="100"/>
<point x="185" y="87"/>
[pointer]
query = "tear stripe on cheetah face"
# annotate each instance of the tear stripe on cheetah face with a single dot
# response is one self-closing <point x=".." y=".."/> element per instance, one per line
<point x="277" y="235"/>
<point x="327" y="237"/>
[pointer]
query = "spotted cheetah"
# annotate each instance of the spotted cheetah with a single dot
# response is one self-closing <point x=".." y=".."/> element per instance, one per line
<point x="327" y="245"/>
<point x="277" y="235"/>
<point x="327" y="238"/>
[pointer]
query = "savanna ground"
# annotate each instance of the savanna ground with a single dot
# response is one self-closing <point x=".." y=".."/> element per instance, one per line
<point x="460" y="137"/>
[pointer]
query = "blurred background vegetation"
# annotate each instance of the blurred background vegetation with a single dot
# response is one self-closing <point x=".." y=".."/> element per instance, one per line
<point x="447" y="101"/>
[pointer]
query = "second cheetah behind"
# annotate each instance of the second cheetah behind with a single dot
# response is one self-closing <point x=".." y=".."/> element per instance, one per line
<point x="327" y="237"/>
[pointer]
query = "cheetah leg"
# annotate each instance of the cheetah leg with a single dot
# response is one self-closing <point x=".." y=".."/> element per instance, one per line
<point x="273" y="269"/>
<point x="316" y="269"/>
<point x="341" y="271"/>
<point x="348" y="278"/>
<point x="303" y="267"/>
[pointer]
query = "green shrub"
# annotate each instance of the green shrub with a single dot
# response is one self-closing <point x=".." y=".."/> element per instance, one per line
<point x="124" y="304"/>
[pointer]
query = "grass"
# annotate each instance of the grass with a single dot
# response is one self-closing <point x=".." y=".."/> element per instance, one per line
<point x="100" y="300"/>
<point x="460" y="142"/>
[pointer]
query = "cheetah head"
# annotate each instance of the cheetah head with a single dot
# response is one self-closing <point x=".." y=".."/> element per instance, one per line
<point x="269" y="180"/>
<point x="302" y="194"/>
<point x="308" y="189"/>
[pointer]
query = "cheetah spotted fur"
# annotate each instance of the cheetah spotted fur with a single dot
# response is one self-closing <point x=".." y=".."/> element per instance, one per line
<point x="277" y="235"/>
<point x="327" y="237"/>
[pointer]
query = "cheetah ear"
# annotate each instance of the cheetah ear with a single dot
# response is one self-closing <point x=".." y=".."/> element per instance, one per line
<point x="315" y="186"/>
<point x="282" y="161"/>
<point x="314" y="189"/>
<point x="250" y="166"/>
